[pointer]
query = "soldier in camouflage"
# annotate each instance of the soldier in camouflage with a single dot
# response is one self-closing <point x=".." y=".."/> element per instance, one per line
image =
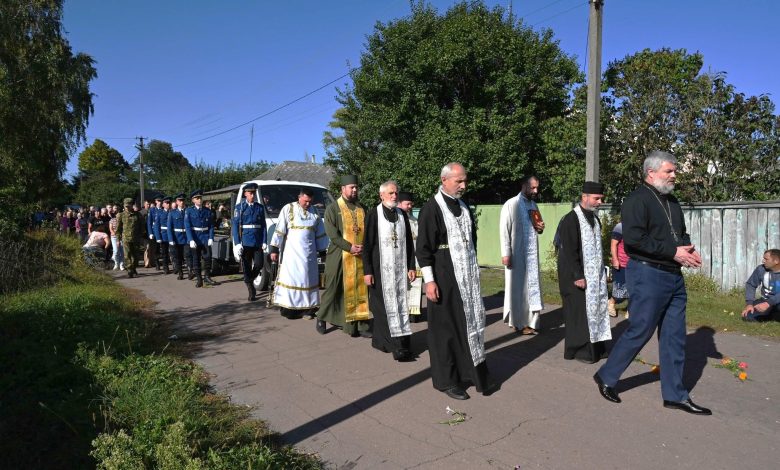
<point x="130" y="230"/>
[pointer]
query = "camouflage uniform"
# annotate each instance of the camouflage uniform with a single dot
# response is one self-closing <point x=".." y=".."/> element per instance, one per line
<point x="130" y="226"/>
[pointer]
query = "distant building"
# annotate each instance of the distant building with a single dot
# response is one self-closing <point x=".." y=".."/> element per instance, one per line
<point x="300" y="171"/>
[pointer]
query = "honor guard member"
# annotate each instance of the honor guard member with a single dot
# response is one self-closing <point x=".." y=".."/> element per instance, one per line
<point x="200" y="236"/>
<point x="249" y="236"/>
<point x="129" y="229"/>
<point x="178" y="235"/>
<point x="151" y="221"/>
<point x="161" y="232"/>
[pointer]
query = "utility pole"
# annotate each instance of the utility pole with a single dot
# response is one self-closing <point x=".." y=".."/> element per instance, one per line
<point x="140" y="148"/>
<point x="251" y="142"/>
<point x="594" y="91"/>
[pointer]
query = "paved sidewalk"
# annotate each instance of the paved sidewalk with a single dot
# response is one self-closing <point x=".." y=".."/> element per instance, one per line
<point x="357" y="408"/>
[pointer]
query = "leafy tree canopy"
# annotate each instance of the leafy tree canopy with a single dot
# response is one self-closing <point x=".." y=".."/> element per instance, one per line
<point x="210" y="177"/>
<point x="100" y="157"/>
<point x="468" y="86"/>
<point x="160" y="161"/>
<point x="45" y="102"/>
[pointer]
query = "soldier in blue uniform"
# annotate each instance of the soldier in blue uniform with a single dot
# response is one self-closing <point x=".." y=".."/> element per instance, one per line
<point x="200" y="236"/>
<point x="151" y="221"/>
<point x="178" y="235"/>
<point x="161" y="232"/>
<point x="249" y="236"/>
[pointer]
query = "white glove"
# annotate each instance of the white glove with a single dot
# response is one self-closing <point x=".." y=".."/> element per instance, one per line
<point x="238" y="250"/>
<point x="171" y="243"/>
<point x="258" y="279"/>
<point x="193" y="245"/>
<point x="159" y="241"/>
<point x="211" y="242"/>
<point x="265" y="247"/>
<point x="151" y="237"/>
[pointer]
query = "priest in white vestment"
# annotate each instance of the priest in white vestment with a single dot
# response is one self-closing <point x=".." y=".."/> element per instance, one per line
<point x="519" y="227"/>
<point x="298" y="237"/>
<point x="406" y="204"/>
<point x="388" y="268"/>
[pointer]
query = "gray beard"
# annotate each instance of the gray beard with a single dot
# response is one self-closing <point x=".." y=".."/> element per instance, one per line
<point x="390" y="205"/>
<point x="663" y="188"/>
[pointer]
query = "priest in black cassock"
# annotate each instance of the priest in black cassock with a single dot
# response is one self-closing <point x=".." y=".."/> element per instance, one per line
<point x="446" y="251"/>
<point x="388" y="267"/>
<point x="582" y="279"/>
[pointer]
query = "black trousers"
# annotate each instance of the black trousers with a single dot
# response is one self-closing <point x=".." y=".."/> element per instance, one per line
<point x="164" y="253"/>
<point x="201" y="252"/>
<point x="251" y="262"/>
<point x="178" y="257"/>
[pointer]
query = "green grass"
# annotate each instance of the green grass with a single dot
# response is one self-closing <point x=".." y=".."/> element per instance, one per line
<point x="707" y="306"/>
<point x="87" y="381"/>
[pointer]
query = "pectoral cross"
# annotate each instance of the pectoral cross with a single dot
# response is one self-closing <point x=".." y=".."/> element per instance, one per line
<point x="355" y="228"/>
<point x="394" y="237"/>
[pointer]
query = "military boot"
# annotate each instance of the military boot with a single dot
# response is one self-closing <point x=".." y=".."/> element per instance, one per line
<point x="199" y="281"/>
<point x="252" y="292"/>
<point x="191" y="272"/>
<point x="165" y="269"/>
<point x="207" y="279"/>
<point x="180" y="276"/>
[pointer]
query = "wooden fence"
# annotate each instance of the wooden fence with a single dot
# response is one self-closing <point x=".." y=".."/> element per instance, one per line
<point x="731" y="237"/>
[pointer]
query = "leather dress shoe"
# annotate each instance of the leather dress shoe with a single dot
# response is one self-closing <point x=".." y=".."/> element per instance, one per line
<point x="320" y="326"/>
<point x="457" y="393"/>
<point x="366" y="334"/>
<point x="688" y="406"/>
<point x="492" y="388"/>
<point x="605" y="390"/>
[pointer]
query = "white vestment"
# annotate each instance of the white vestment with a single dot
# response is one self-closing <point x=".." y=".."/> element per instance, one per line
<point x="595" y="279"/>
<point x="519" y="241"/>
<point x="392" y="256"/>
<point x="299" y="235"/>
<point x="415" y="291"/>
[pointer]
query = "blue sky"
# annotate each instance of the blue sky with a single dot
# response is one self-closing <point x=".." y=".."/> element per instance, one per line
<point x="181" y="71"/>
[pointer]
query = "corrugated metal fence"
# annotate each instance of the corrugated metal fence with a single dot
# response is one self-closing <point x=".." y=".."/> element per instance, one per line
<point x="731" y="237"/>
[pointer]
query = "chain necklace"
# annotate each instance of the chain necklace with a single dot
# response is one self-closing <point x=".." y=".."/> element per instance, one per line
<point x="667" y="212"/>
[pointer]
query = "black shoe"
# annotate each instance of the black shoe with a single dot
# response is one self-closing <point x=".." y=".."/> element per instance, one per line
<point x="167" y="271"/>
<point x="321" y="326"/>
<point x="209" y="281"/>
<point x="492" y="388"/>
<point x="403" y="356"/>
<point x="457" y="393"/>
<point x="606" y="391"/>
<point x="366" y="334"/>
<point x="180" y="276"/>
<point x="199" y="282"/>
<point x="688" y="406"/>
<point x="251" y="290"/>
<point x="191" y="275"/>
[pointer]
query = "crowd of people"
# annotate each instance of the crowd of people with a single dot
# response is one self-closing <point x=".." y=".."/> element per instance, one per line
<point x="381" y="261"/>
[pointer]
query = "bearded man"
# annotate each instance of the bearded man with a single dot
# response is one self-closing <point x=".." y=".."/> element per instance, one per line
<point x="388" y="267"/>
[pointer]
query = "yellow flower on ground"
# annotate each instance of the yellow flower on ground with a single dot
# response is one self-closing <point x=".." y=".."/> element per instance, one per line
<point x="742" y="376"/>
<point x="725" y="361"/>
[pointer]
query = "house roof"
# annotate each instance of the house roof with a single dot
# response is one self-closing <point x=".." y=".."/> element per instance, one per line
<point x="300" y="171"/>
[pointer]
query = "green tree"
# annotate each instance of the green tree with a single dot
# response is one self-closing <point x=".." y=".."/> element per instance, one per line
<point x="726" y="143"/>
<point x="100" y="157"/>
<point x="468" y="86"/>
<point x="210" y="177"/>
<point x="160" y="161"/>
<point x="45" y="102"/>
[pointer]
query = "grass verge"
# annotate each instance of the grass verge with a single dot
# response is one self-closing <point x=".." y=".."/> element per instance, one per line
<point x="87" y="382"/>
<point x="707" y="305"/>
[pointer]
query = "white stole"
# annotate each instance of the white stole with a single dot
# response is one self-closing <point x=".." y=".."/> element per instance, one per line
<point x="464" y="262"/>
<point x="415" y="288"/>
<point x="531" y="258"/>
<point x="595" y="278"/>
<point x="392" y="264"/>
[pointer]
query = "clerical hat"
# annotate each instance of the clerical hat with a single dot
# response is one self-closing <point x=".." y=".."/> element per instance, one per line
<point x="348" y="179"/>
<point x="592" y="187"/>
<point x="405" y="196"/>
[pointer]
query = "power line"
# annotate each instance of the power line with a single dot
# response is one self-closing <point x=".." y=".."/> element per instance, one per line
<point x="266" y="114"/>
<point x="559" y="14"/>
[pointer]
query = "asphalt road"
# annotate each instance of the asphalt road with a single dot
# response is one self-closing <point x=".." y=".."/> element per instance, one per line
<point x="355" y="407"/>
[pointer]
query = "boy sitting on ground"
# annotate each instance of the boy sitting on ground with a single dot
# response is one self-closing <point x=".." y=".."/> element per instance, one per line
<point x="767" y="277"/>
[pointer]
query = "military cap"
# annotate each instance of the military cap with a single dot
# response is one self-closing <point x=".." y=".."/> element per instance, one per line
<point x="250" y="187"/>
<point x="592" y="187"/>
<point x="159" y="197"/>
<point x="179" y="196"/>
<point x="348" y="179"/>
<point x="128" y="201"/>
<point x="196" y="193"/>
<point x="166" y="199"/>
<point x="405" y="196"/>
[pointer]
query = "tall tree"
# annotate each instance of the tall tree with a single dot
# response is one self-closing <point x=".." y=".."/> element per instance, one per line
<point x="160" y="161"/>
<point x="45" y="102"/>
<point x="102" y="157"/>
<point x="727" y="144"/>
<point x="469" y="86"/>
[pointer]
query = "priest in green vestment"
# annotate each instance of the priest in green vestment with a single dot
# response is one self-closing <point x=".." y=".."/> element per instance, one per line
<point x="345" y="301"/>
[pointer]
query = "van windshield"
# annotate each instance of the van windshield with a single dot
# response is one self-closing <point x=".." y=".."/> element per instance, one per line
<point x="276" y="196"/>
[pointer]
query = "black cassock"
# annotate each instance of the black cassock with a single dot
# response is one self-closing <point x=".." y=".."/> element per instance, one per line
<point x="577" y="343"/>
<point x="451" y="361"/>
<point x="381" y="339"/>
